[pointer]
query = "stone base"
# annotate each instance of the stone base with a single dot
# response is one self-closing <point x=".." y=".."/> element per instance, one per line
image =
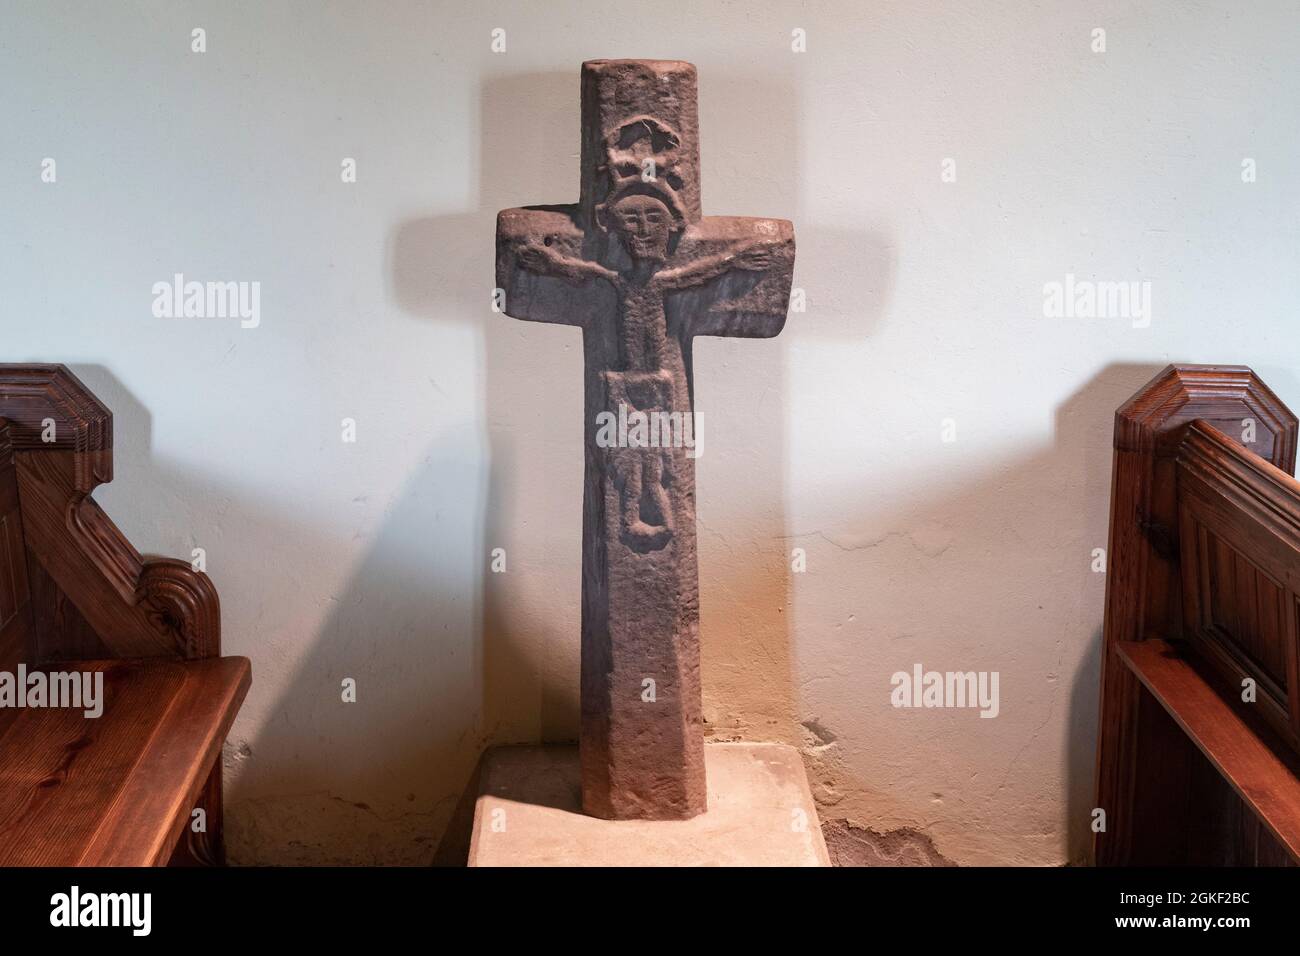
<point x="761" y="813"/>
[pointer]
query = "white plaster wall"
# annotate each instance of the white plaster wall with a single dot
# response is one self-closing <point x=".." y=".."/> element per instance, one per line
<point x="925" y="302"/>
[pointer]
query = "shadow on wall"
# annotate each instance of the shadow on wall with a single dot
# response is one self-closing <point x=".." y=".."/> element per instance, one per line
<point x="383" y="799"/>
<point x="413" y="720"/>
<point x="1085" y="436"/>
<point x="983" y="535"/>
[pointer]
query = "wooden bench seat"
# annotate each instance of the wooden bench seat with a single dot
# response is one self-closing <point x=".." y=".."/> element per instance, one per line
<point x="138" y="783"/>
<point x="1263" y="776"/>
<point x="117" y="790"/>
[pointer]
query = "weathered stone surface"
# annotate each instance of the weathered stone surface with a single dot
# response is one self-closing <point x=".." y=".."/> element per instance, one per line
<point x="528" y="813"/>
<point x="853" y="845"/>
<point x="635" y="265"/>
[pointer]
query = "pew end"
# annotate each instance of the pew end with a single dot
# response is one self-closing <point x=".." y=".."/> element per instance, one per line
<point x="1198" y="753"/>
<point x="130" y="786"/>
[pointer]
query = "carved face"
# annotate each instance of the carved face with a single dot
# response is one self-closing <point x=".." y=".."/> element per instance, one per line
<point x="645" y="226"/>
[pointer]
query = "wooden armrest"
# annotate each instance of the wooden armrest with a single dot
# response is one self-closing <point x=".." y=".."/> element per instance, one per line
<point x="60" y="440"/>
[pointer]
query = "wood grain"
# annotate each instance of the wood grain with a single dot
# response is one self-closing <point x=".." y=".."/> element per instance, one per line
<point x="1266" y="783"/>
<point x="1240" y="519"/>
<point x="117" y="790"/>
<point x="16" y="636"/>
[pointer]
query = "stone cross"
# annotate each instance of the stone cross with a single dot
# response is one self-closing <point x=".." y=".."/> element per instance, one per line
<point x="642" y="272"/>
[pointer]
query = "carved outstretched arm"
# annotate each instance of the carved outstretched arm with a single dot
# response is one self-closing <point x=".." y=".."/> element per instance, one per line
<point x="752" y="256"/>
<point x="543" y="260"/>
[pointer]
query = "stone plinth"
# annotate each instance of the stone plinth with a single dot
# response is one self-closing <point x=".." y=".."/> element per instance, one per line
<point x="760" y="813"/>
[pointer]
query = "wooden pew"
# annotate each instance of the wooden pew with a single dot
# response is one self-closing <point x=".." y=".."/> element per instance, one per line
<point x="120" y="789"/>
<point x="1202" y="609"/>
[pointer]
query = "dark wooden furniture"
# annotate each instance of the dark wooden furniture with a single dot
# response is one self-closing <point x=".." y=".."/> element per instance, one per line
<point x="1198" y="758"/>
<point x="120" y="789"/>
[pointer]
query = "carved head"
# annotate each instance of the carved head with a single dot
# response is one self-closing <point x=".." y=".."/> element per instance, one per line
<point x="644" y="224"/>
<point x="644" y="217"/>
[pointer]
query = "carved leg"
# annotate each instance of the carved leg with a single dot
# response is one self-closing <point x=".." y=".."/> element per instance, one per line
<point x="647" y="510"/>
<point x="204" y="849"/>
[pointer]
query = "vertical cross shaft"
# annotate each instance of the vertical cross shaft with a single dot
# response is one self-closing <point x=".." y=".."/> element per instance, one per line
<point x="637" y="267"/>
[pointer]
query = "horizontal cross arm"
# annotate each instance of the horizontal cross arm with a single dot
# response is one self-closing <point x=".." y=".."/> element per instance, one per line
<point x="540" y="268"/>
<point x="735" y="277"/>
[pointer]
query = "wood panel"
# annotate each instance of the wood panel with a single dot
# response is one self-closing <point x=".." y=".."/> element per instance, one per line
<point x="16" y="636"/>
<point x="1225" y="831"/>
<point x="62" y="632"/>
<point x="1240" y="526"/>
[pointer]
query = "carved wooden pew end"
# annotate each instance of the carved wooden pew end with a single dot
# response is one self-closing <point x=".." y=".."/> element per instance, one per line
<point x="1199" y="745"/>
<point x="131" y="775"/>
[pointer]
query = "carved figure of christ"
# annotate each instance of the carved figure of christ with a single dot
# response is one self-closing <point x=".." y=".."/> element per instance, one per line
<point x="641" y="278"/>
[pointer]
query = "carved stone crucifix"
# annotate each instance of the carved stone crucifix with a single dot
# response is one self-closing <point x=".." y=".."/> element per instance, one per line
<point x="642" y="272"/>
